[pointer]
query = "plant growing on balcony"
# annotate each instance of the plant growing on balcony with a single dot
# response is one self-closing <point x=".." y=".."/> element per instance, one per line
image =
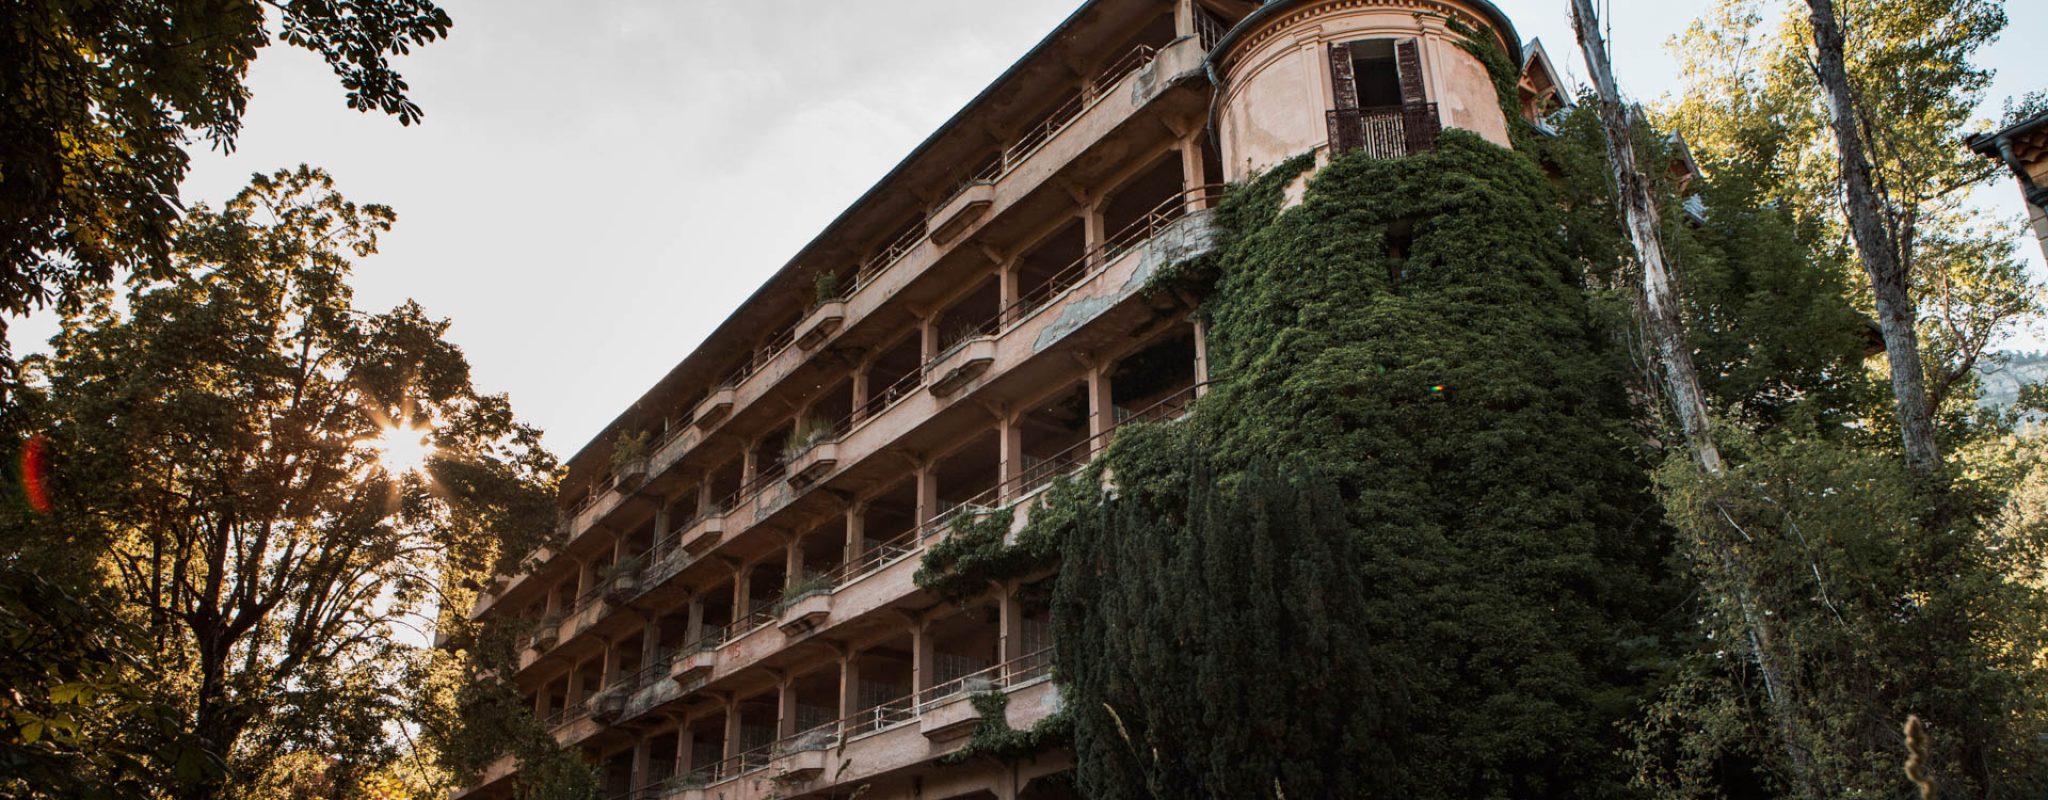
<point x="824" y="288"/>
<point x="808" y="586"/>
<point x="630" y="450"/>
<point x="807" y="433"/>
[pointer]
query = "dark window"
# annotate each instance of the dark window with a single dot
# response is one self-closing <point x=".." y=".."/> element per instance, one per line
<point x="1378" y="75"/>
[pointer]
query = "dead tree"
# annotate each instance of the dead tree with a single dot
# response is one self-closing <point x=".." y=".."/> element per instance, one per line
<point x="1666" y="330"/>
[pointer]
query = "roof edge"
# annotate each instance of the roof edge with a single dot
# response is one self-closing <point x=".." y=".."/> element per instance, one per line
<point x="1275" y="7"/>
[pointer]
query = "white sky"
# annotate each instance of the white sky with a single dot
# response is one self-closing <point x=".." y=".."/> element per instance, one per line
<point x="598" y="184"/>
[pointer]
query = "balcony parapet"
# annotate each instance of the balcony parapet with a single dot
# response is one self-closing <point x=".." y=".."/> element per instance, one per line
<point x="821" y="323"/>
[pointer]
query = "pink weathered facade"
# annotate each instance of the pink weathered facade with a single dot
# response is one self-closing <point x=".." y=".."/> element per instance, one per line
<point x="732" y="616"/>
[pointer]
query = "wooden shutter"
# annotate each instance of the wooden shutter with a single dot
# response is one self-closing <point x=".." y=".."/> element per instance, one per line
<point x="1346" y="130"/>
<point x="1418" y="120"/>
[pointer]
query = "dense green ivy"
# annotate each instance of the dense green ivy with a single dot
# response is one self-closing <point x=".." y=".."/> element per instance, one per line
<point x="1453" y="586"/>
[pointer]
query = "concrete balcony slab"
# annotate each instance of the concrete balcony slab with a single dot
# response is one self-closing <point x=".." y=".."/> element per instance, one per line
<point x="963" y="363"/>
<point x="961" y="212"/>
<point x="819" y="326"/>
<point x="713" y="409"/>
<point x="814" y="464"/>
<point x="703" y="535"/>
<point x="805" y="614"/>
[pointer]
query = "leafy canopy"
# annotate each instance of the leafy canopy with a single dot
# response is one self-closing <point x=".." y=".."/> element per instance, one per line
<point x="218" y="435"/>
<point x="99" y="100"/>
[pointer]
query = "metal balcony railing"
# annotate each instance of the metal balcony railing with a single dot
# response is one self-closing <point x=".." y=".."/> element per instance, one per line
<point x="1005" y="676"/>
<point x="1385" y="131"/>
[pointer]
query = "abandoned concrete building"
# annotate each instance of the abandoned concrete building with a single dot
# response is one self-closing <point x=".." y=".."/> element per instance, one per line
<point x="731" y="614"/>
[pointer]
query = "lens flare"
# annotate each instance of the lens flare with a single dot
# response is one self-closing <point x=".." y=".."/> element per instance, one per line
<point x="35" y="472"/>
<point x="402" y="449"/>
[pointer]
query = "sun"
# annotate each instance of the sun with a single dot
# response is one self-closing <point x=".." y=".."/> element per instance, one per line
<point x="402" y="449"/>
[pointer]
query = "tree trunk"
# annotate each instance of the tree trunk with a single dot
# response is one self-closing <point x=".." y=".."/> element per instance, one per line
<point x="1639" y="212"/>
<point x="1876" y="245"/>
<point x="1681" y="381"/>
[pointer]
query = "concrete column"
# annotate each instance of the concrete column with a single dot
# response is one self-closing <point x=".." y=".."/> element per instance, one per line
<point x="686" y="748"/>
<point x="927" y="494"/>
<point x="860" y="385"/>
<point x="695" y="630"/>
<point x="1101" y="414"/>
<point x="928" y="337"/>
<point x="748" y="468"/>
<point x="856" y="531"/>
<point x="1011" y="469"/>
<point x="849" y="684"/>
<point x="1184" y="17"/>
<point x="1007" y="288"/>
<point x="661" y="521"/>
<point x="785" y="706"/>
<point x="608" y="671"/>
<point x="704" y="498"/>
<point x="650" y="642"/>
<point x="540" y="703"/>
<point x="642" y="755"/>
<point x="1194" y="173"/>
<point x="732" y="728"/>
<point x="575" y="694"/>
<point x="1010" y="621"/>
<point x="1201" y="358"/>
<point x="741" y="591"/>
<point x="586" y="577"/>
<point x="1093" y="235"/>
<point x="793" y="562"/>
<point x="921" y="669"/>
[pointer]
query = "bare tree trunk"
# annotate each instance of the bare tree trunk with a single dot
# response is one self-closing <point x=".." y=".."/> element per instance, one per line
<point x="1876" y="244"/>
<point x="1681" y="381"/>
<point x="1639" y="212"/>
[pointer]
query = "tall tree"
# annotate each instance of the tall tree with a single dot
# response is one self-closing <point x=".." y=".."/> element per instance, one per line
<point x="1882" y="239"/>
<point x="1758" y="94"/>
<point x="99" y="101"/>
<point x="1658" y="300"/>
<point x="276" y="483"/>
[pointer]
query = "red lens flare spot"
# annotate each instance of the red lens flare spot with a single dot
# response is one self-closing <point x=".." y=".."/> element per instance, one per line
<point x="35" y="472"/>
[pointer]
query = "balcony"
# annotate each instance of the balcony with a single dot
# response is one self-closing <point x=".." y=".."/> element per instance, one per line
<point x="713" y="409"/>
<point x="1385" y="131"/>
<point x="947" y="711"/>
<point x="963" y="362"/>
<point x="813" y="463"/>
<point x="822" y="322"/>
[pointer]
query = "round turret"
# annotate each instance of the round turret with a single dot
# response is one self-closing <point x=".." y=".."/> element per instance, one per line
<point x="1383" y="76"/>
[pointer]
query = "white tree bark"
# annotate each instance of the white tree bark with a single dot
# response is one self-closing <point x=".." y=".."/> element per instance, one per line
<point x="1639" y="211"/>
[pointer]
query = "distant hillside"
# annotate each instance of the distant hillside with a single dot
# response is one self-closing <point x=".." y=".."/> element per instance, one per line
<point x="2002" y="381"/>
